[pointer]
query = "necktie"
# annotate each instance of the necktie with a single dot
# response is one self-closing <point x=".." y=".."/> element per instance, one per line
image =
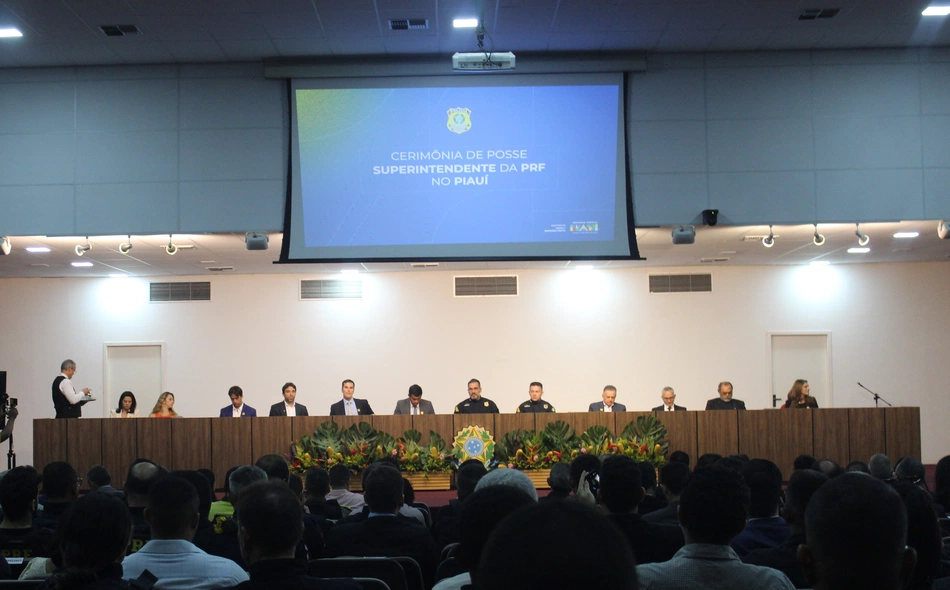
<point x="415" y="409"/>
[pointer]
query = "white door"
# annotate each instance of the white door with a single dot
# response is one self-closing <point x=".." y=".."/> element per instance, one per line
<point x="801" y="356"/>
<point x="136" y="368"/>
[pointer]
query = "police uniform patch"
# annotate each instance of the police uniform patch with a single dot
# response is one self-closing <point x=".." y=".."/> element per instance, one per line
<point x="486" y="404"/>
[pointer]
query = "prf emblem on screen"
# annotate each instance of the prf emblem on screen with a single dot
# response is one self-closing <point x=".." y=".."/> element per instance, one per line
<point x="460" y="120"/>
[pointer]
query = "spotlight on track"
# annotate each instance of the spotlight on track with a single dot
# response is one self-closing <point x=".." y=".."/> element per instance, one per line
<point x="171" y="249"/>
<point x="125" y="247"/>
<point x="863" y="239"/>
<point x="769" y="240"/>
<point x="819" y="239"/>
<point x="83" y="248"/>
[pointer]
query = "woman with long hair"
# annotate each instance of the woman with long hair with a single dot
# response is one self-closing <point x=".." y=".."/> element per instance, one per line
<point x="126" y="407"/>
<point x="164" y="406"/>
<point x="798" y="396"/>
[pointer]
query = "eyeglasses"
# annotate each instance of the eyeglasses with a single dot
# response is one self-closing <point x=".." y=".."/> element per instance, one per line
<point x="79" y="480"/>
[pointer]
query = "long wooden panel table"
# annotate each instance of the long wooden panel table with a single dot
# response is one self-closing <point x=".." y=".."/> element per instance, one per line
<point x="220" y="443"/>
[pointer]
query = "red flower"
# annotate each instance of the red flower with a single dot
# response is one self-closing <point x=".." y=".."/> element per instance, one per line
<point x="352" y="451"/>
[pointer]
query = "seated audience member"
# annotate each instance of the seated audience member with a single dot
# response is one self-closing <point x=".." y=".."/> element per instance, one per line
<point x="479" y="515"/>
<point x="582" y="464"/>
<point x="803" y="462"/>
<point x="857" y="466"/>
<point x="222" y="509"/>
<point x="680" y="457"/>
<point x="713" y="510"/>
<point x="205" y="537"/>
<point x="405" y="511"/>
<point x="295" y="483"/>
<point x="61" y="487"/>
<point x="382" y="533"/>
<point x="620" y="493"/>
<point x="880" y="467"/>
<point x="316" y="488"/>
<point x="269" y="521"/>
<point x="100" y="480"/>
<point x="559" y="481"/>
<point x="856" y="536"/>
<point x="652" y="501"/>
<point x="508" y="477"/>
<point x="942" y="482"/>
<point x="277" y="469"/>
<point x="801" y="487"/>
<point x="445" y="529"/>
<point x="210" y="476"/>
<point x="706" y="460"/>
<point x="923" y="533"/>
<point x="20" y="541"/>
<point x="828" y="467"/>
<point x="570" y="538"/>
<point x="241" y="478"/>
<point x="673" y="479"/>
<point x="340" y="489"/>
<point x="93" y="538"/>
<point x="172" y="514"/>
<point x="911" y="470"/>
<point x="765" y="529"/>
<point x="409" y="498"/>
<point x="139" y="480"/>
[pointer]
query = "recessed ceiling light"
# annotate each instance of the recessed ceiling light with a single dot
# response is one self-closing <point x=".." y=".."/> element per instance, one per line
<point x="118" y="275"/>
<point x="907" y="234"/>
<point x="10" y="33"/>
<point x="78" y="264"/>
<point x="858" y="250"/>
<point x="36" y="249"/>
<point x="820" y="263"/>
<point x="350" y="271"/>
<point x="584" y="267"/>
<point x="936" y="11"/>
<point x="465" y="23"/>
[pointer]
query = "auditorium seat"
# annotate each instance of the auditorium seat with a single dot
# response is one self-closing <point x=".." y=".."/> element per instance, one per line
<point x="388" y="570"/>
<point x="449" y="568"/>
<point x="448" y="551"/>
<point x="413" y="572"/>
<point x="21" y="584"/>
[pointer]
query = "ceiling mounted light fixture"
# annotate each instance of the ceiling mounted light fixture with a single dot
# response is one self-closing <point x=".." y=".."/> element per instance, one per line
<point x="863" y="239"/>
<point x="83" y="248"/>
<point x="171" y="249"/>
<point x="5" y="246"/>
<point x="126" y="246"/>
<point x="936" y="11"/>
<point x="819" y="239"/>
<point x="769" y="240"/>
<point x="906" y="234"/>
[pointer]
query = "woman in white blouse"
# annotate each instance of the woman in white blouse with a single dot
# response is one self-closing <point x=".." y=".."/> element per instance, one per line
<point x="126" y="408"/>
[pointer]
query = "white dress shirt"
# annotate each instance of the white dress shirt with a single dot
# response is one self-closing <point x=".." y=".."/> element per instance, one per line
<point x="236" y="412"/>
<point x="608" y="408"/>
<point x="67" y="389"/>
<point x="291" y="409"/>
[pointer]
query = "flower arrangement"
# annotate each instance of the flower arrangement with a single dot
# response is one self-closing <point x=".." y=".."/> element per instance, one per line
<point x="360" y="445"/>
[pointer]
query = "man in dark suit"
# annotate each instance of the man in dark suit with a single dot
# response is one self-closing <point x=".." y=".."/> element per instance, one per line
<point x="237" y="409"/>
<point x="725" y="400"/>
<point x="382" y="533"/>
<point x="669" y="399"/>
<point x="349" y="406"/>
<point x="414" y="404"/>
<point x="288" y="407"/>
<point x="608" y="405"/>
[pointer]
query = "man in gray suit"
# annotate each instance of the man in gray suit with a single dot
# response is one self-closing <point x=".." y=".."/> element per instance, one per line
<point x="608" y="405"/>
<point x="414" y="404"/>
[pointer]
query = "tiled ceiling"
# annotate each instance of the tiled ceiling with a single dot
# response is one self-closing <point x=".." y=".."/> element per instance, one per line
<point x="737" y="245"/>
<point x="67" y="32"/>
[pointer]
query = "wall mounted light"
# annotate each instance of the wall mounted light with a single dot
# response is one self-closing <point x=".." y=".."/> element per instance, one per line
<point x="5" y="246"/>
<point x="171" y="249"/>
<point x="83" y="248"/>
<point x="769" y="240"/>
<point x="862" y="238"/>
<point x="819" y="239"/>
<point x="126" y="246"/>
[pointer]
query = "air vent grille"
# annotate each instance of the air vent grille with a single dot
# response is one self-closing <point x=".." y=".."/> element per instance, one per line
<point x="698" y="283"/>
<point x="816" y="13"/>
<point x="163" y="292"/>
<point x="409" y="24"/>
<point x="714" y="259"/>
<point x="120" y="30"/>
<point x="323" y="289"/>
<point x="499" y="286"/>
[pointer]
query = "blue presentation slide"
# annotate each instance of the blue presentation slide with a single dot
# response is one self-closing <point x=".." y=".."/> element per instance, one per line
<point x="424" y="166"/>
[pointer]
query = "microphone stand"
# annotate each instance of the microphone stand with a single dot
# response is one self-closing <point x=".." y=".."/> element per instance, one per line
<point x="876" y="396"/>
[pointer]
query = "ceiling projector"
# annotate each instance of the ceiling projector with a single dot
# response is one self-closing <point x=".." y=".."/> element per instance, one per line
<point x="483" y="61"/>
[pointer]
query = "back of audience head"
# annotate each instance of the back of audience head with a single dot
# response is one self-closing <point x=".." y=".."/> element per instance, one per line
<point x="881" y="467"/>
<point x="275" y="466"/>
<point x="828" y="467"/>
<point x="98" y="476"/>
<point x="571" y="537"/>
<point x="803" y="462"/>
<point x="226" y="485"/>
<point x="270" y="522"/>
<point x="295" y="483"/>
<point x="802" y="485"/>
<point x="714" y="506"/>
<point x="172" y="511"/>
<point x="647" y="475"/>
<point x="673" y="479"/>
<point x="679" y="457"/>
<point x="467" y="477"/>
<point x="942" y="482"/>
<point x="408" y="492"/>
<point x="560" y="478"/>
<point x="18" y="490"/>
<point x="856" y="532"/>
<point x="579" y="465"/>
<point x="93" y="534"/>
<point x="621" y="484"/>
<point x="480" y="514"/>
<point x="340" y="477"/>
<point x="912" y="470"/>
<point x="202" y="486"/>
<point x="860" y="466"/>
<point x="241" y="478"/>
<point x="60" y="482"/>
<point x="383" y="489"/>
<point x="765" y="487"/>
<point x="141" y="477"/>
<point x="509" y="477"/>
<point x="923" y="532"/>
<point x="731" y="462"/>
<point x="706" y="460"/>
<point x="209" y="475"/>
<point x="317" y="483"/>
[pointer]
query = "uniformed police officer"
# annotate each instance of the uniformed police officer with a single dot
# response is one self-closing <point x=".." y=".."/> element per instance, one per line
<point x="535" y="405"/>
<point x="476" y="404"/>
